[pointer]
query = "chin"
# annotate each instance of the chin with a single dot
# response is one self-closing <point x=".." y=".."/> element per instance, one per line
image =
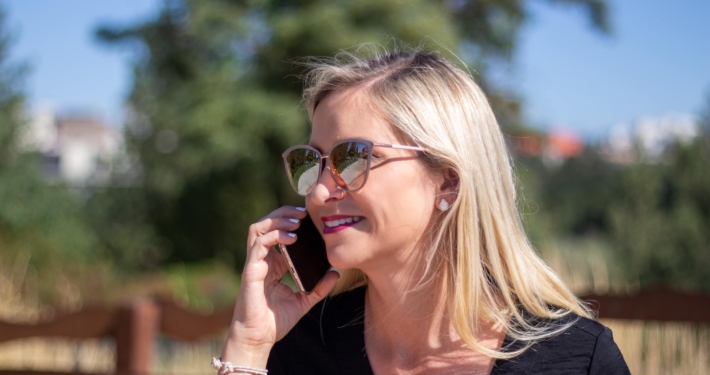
<point x="343" y="257"/>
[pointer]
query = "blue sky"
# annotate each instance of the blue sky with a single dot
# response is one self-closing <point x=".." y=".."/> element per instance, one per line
<point x="70" y="70"/>
<point x="657" y="61"/>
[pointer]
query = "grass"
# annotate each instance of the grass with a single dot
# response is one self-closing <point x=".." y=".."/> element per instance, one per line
<point x="655" y="348"/>
<point x="37" y="354"/>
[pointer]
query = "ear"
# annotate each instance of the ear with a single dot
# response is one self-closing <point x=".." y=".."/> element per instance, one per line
<point x="448" y="186"/>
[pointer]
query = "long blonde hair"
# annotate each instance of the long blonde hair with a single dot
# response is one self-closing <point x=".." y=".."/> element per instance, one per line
<point x="492" y="271"/>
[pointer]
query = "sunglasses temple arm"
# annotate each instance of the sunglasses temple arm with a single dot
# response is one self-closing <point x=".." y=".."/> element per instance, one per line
<point x="400" y="147"/>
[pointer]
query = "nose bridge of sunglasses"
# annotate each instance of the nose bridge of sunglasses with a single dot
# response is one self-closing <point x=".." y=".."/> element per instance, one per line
<point x="323" y="160"/>
<point x="332" y="171"/>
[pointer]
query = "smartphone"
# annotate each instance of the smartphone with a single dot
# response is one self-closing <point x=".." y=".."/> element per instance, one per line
<point x="307" y="258"/>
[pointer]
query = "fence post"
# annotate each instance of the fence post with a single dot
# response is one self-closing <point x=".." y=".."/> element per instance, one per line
<point x="136" y="330"/>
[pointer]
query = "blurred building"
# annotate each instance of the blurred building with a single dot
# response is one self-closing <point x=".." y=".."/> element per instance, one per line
<point x="76" y="148"/>
<point x="554" y="147"/>
<point x="562" y="145"/>
<point x="650" y="137"/>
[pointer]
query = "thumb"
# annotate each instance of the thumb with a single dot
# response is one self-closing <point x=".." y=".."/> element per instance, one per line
<point x="320" y="291"/>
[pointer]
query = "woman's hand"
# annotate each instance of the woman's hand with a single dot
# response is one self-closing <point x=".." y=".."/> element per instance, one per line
<point x="266" y="310"/>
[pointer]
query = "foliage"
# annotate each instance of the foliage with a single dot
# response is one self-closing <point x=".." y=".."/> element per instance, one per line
<point x="215" y="101"/>
<point x="202" y="285"/>
<point x="653" y="217"/>
<point x="660" y="228"/>
<point x="40" y="219"/>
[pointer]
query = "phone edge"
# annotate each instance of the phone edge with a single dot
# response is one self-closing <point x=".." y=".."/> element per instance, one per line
<point x="292" y="270"/>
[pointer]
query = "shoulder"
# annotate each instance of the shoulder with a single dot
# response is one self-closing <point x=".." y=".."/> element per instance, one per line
<point x="584" y="346"/>
<point x="314" y="344"/>
<point x="581" y="334"/>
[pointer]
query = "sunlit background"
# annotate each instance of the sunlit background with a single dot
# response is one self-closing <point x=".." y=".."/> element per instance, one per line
<point x="139" y="139"/>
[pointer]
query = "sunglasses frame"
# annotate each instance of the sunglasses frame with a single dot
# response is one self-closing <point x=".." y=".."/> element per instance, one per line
<point x="336" y="177"/>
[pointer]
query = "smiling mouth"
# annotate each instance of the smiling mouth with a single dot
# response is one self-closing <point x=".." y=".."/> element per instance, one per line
<point x="336" y="225"/>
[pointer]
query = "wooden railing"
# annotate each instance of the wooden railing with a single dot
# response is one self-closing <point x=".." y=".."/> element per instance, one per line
<point x="658" y="304"/>
<point x="135" y="325"/>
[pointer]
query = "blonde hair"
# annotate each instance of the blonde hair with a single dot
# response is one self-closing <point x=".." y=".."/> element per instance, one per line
<point x="492" y="271"/>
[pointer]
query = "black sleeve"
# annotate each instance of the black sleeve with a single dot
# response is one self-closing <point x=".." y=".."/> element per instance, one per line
<point x="607" y="358"/>
<point x="278" y="358"/>
<point x="308" y="348"/>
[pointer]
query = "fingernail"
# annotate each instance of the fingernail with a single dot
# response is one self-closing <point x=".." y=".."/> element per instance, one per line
<point x="294" y="220"/>
<point x="292" y="234"/>
<point x="301" y="208"/>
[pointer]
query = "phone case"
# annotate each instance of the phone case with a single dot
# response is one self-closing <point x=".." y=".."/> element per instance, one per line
<point x="307" y="258"/>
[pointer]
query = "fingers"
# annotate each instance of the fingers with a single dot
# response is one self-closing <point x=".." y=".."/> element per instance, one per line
<point x="276" y="228"/>
<point x="277" y="267"/>
<point x="267" y="225"/>
<point x="287" y="211"/>
<point x="284" y="218"/>
<point x="263" y="244"/>
<point x="321" y="290"/>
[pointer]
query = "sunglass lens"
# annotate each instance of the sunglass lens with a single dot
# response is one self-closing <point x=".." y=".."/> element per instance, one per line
<point x="303" y="167"/>
<point x="349" y="162"/>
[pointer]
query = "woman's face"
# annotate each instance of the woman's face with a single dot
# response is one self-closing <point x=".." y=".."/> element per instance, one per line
<point x="391" y="212"/>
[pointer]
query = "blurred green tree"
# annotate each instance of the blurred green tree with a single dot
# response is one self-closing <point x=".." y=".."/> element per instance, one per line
<point x="40" y="222"/>
<point x="659" y="223"/>
<point x="652" y="217"/>
<point x="214" y="103"/>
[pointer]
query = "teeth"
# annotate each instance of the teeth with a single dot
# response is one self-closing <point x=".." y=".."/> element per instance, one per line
<point x="347" y="220"/>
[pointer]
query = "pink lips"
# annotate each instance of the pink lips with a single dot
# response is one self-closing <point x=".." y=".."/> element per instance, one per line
<point x="341" y="227"/>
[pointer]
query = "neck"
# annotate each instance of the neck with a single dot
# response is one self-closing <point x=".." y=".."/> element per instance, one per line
<point x="407" y="323"/>
<point x="397" y="301"/>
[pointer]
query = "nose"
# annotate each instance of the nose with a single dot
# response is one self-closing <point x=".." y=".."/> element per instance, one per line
<point x="326" y="188"/>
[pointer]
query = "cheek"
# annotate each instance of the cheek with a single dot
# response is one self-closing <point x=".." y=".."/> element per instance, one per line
<point x="407" y="199"/>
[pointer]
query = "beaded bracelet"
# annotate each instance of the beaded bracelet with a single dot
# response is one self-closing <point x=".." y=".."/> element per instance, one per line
<point x="227" y="367"/>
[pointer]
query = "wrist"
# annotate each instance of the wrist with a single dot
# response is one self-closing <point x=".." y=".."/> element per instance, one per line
<point x="241" y="354"/>
<point x="226" y="367"/>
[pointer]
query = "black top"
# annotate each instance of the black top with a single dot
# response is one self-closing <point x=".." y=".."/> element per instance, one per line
<point x="330" y="340"/>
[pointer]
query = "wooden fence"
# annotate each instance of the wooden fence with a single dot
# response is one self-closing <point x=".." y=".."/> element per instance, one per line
<point x="136" y="324"/>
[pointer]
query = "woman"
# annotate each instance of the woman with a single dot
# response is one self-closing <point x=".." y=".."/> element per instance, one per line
<point x="437" y="274"/>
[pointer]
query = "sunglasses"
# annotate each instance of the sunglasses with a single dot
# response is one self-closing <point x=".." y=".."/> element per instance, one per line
<point x="349" y="163"/>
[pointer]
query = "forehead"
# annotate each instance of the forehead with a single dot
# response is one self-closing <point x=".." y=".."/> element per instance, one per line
<point x="348" y="114"/>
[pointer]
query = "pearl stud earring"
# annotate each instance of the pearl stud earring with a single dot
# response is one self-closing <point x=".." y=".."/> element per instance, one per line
<point x="443" y="205"/>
